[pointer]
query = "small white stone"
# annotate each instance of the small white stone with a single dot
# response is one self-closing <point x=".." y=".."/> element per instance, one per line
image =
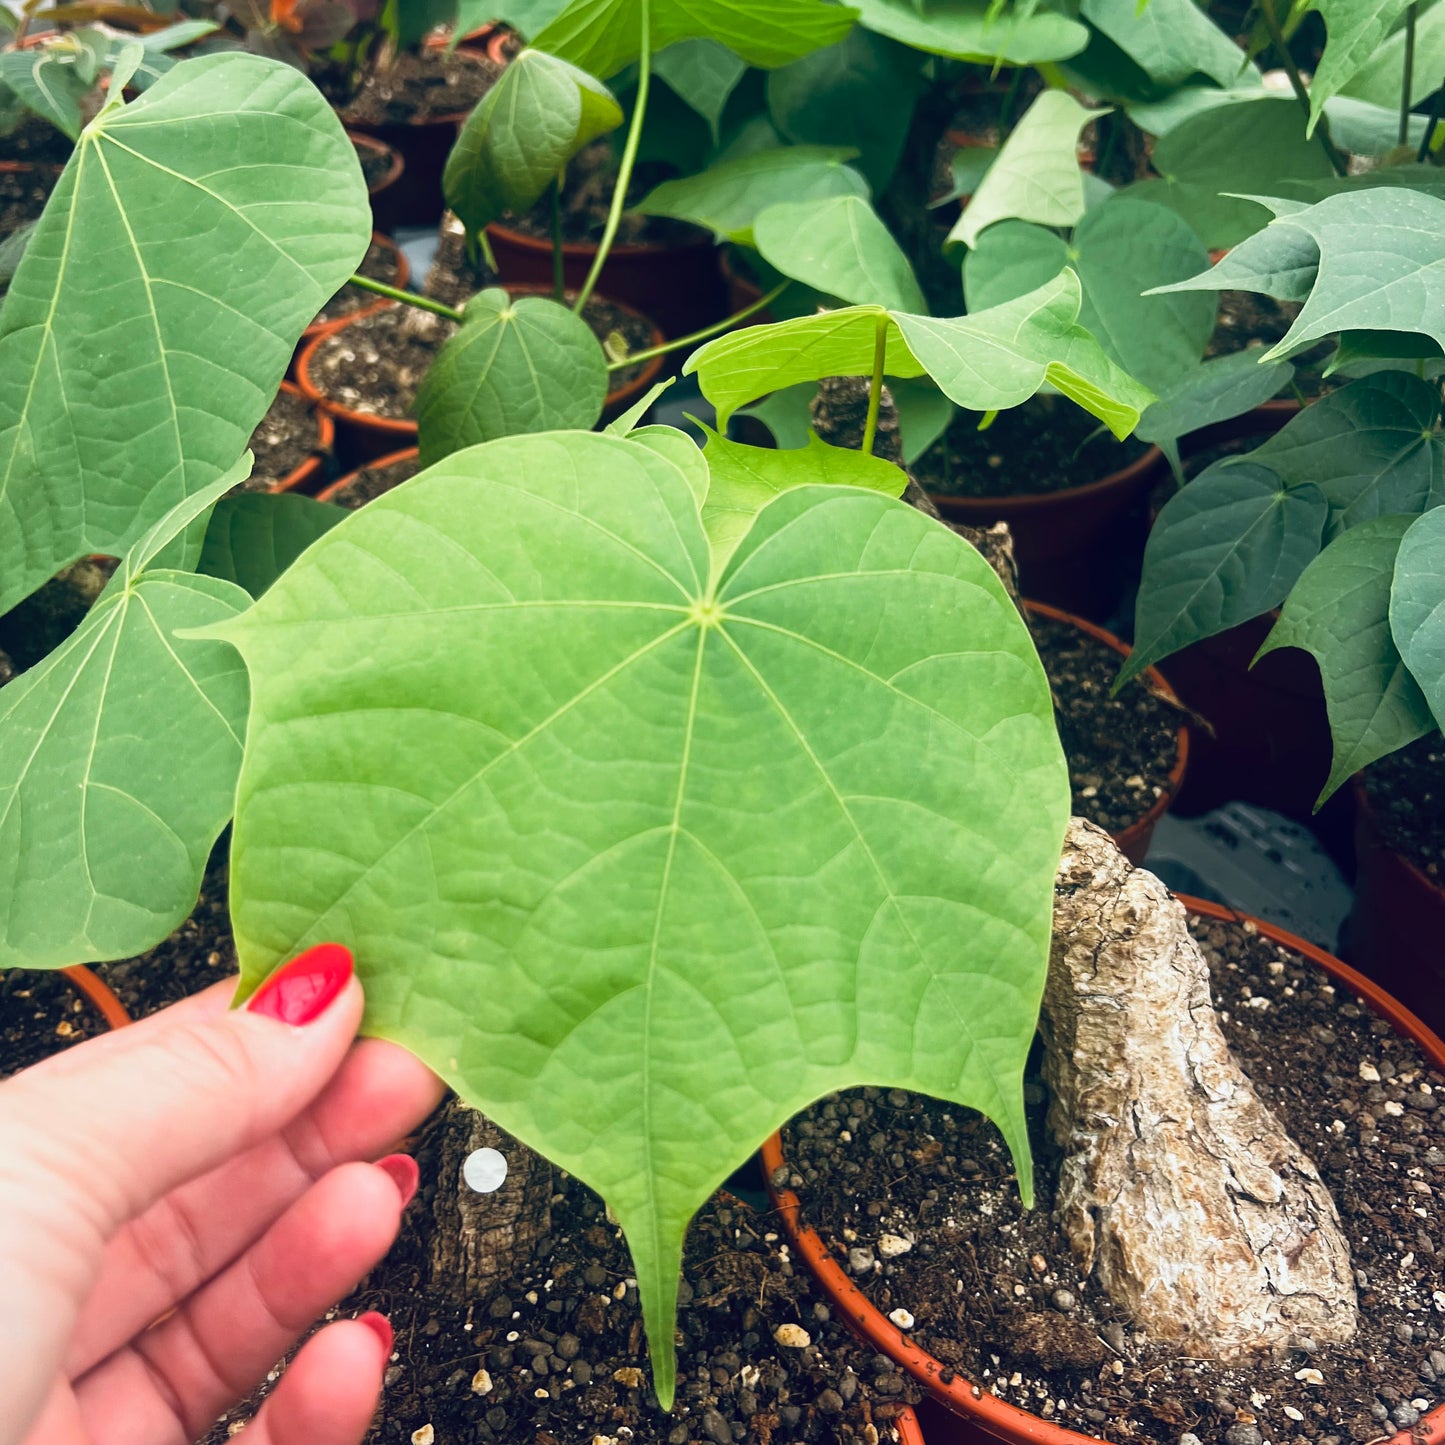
<point x="1292" y="1413"/>
<point x="619" y="1291"/>
<point x="1337" y="1127"/>
<point x="1421" y="1404"/>
<point x="485" y="1170"/>
<point x="750" y="1375"/>
<point x="604" y="1440"/>
<point x="890" y="1246"/>
<point x="630" y="1377"/>
<point x="1369" y="1073"/>
<point x="530" y="1296"/>
<point x="481" y="1383"/>
<point x="1259" y="1001"/>
<point x="901" y="1318"/>
<point x="1309" y="1376"/>
<point x="1393" y="1109"/>
<point x="792" y="1337"/>
<point x="1015" y="1379"/>
<point x="539" y="1393"/>
<point x="424" y="1436"/>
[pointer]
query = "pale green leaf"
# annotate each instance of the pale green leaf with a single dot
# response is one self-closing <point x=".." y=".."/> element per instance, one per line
<point x="1223" y="549"/>
<point x="528" y="17"/>
<point x="522" y="365"/>
<point x="133" y="366"/>
<point x="788" y="414"/>
<point x="641" y="866"/>
<point x="47" y="81"/>
<point x="838" y="245"/>
<point x="622" y="425"/>
<point x="680" y="452"/>
<point x="1381" y="78"/>
<point x="1427" y="179"/>
<point x="1011" y="259"/>
<point x="181" y="32"/>
<point x="1169" y="40"/>
<point x="540" y="112"/>
<point x="924" y="413"/>
<point x="1036" y="175"/>
<point x="602" y="36"/>
<point x="1339" y="611"/>
<point x="965" y="30"/>
<point x="704" y="74"/>
<point x="727" y="197"/>
<point x="1363" y="129"/>
<point x="1417" y="607"/>
<point x="253" y="537"/>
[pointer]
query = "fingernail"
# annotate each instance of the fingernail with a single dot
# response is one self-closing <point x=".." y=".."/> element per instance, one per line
<point x="302" y="990"/>
<point x="404" y="1174"/>
<point x="380" y="1326"/>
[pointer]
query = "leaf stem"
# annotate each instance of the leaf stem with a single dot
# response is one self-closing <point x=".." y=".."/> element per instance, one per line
<point x="724" y="325"/>
<point x="1408" y="84"/>
<point x="1281" y="45"/>
<point x="629" y="158"/>
<point x="410" y="298"/>
<point x="875" y="386"/>
<point x="559" y="287"/>
<point x="1437" y="108"/>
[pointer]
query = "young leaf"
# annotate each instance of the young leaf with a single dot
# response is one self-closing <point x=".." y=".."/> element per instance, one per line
<point x="838" y="246"/>
<point x="1170" y="40"/>
<point x="514" y="366"/>
<point x="1281" y="261"/>
<point x="1339" y="611"/>
<point x="727" y="197"/>
<point x="1381" y="78"/>
<point x="254" y="537"/>
<point x="788" y="414"/>
<point x="535" y="118"/>
<point x="118" y="762"/>
<point x="47" y="81"/>
<point x="133" y="367"/>
<point x="743" y="480"/>
<point x="1417" y="607"/>
<point x="1225" y="548"/>
<point x="971" y="30"/>
<point x="602" y="36"/>
<point x="641" y="865"/>
<point x="704" y="74"/>
<point x="626" y="423"/>
<point x="1036" y="176"/>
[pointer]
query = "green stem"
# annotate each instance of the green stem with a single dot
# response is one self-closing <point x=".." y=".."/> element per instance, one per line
<point x="1276" y="35"/>
<point x="875" y="387"/>
<point x="1409" y="82"/>
<point x="629" y="158"/>
<point x="725" y="325"/>
<point x="559" y="285"/>
<point x="410" y="298"/>
<point x="1437" y="108"/>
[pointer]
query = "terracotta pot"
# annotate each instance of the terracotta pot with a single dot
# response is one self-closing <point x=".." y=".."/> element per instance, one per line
<point x="369" y="307"/>
<point x="97" y="993"/>
<point x="305" y="477"/>
<point x="1134" y="840"/>
<point x="361" y="436"/>
<point x="385" y="215"/>
<point x="910" y="1432"/>
<point x="1074" y="547"/>
<point x="1266" y="419"/>
<point x="680" y="287"/>
<point x="496" y="41"/>
<point x="1393" y="933"/>
<point x="979" y="1407"/>
<point x="329" y="493"/>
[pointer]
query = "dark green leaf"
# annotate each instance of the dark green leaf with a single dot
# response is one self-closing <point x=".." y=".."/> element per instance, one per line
<point x="253" y="537"/>
<point x="704" y="74"/>
<point x="967" y="30"/>
<point x="1417" y="607"/>
<point x="1169" y="40"/>
<point x="47" y="81"/>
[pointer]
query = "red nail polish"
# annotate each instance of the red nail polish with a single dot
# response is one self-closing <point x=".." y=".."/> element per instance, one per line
<point x="380" y="1326"/>
<point x="301" y="990"/>
<point x="404" y="1174"/>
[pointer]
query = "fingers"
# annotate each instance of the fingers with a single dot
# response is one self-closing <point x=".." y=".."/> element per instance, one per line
<point x="174" y="1379"/>
<point x="380" y="1093"/>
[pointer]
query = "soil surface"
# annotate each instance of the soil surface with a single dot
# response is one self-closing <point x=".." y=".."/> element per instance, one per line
<point x="995" y="1292"/>
<point x="1046" y="445"/>
<point x="366" y="484"/>
<point x="379" y="264"/>
<point x="23" y="195"/>
<point x="34" y="628"/>
<point x="426" y="85"/>
<point x="1120" y="749"/>
<point x="1407" y="790"/>
<point x="37" y="140"/>
<point x="40" y="1014"/>
<point x="286" y="437"/>
<point x="375" y="164"/>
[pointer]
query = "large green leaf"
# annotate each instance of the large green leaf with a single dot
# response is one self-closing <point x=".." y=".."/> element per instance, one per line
<point x="521" y="365"/>
<point x="973" y="30"/>
<point x="743" y="480"/>
<point x="704" y="74"/>
<point x="727" y="197"/>
<point x="47" y="82"/>
<point x="528" y="17"/>
<point x="537" y="116"/>
<point x="1225" y="548"/>
<point x="639" y="857"/>
<point x="1169" y="40"/>
<point x="1036" y="174"/>
<point x="191" y="239"/>
<point x="1382" y="77"/>
<point x="602" y="36"/>
<point x="253" y="537"/>
<point x="1417" y="607"/>
<point x="838" y="245"/>
<point x="1339" y="611"/>
<point x="118" y="762"/>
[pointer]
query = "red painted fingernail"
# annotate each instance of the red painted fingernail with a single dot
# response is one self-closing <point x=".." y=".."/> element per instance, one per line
<point x="380" y="1326"/>
<point x="404" y="1174"/>
<point x="302" y="990"/>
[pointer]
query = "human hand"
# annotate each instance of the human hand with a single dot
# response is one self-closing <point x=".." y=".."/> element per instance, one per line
<point x="203" y="1166"/>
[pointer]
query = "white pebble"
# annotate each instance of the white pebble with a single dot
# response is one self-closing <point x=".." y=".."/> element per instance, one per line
<point x="481" y="1383"/>
<point x="1309" y="1376"/>
<point x="890" y="1246"/>
<point x="424" y="1436"/>
<point x="1369" y="1073"/>
<point x="792" y="1337"/>
<point x="1393" y="1109"/>
<point x="1293" y="1413"/>
<point x="901" y="1318"/>
<point x="485" y="1170"/>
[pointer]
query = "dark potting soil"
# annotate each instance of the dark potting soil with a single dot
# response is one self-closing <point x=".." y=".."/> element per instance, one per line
<point x="38" y="141"/>
<point x="34" y="628"/>
<point x="379" y="264"/>
<point x="40" y="1014"/>
<point x="286" y="437"/>
<point x="368" y="483"/>
<point x="1120" y="749"/>
<point x="1407" y="793"/>
<point x="1249" y="318"/>
<point x="1046" y="445"/>
<point x="23" y="195"/>
<point x="996" y="1294"/>
<point x="375" y="164"/>
<point x="419" y="86"/>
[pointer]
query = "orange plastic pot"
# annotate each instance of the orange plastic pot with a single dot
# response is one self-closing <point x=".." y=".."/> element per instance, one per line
<point x="98" y="994"/>
<point x="305" y="476"/>
<point x="384" y="213"/>
<point x="369" y="307"/>
<point x="1074" y="547"/>
<point x="1135" y="839"/>
<point x="496" y="41"/>
<point x="979" y="1407"/>
<point x="329" y="493"/>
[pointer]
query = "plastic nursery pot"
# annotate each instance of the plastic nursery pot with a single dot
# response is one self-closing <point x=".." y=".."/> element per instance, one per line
<point x="1075" y="546"/>
<point x="368" y="307"/>
<point x="1134" y="840"/>
<point x="1393" y="932"/>
<point x="384" y="213"/>
<point x="496" y="41"/>
<point x="98" y="994"/>
<point x="979" y="1407"/>
<point x="331" y="492"/>
<point x="680" y="287"/>
<point x="303" y="478"/>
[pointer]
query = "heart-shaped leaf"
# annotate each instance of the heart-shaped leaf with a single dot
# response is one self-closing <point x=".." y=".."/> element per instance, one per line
<point x="639" y="856"/>
<point x="975" y="30"/>
<point x="133" y="368"/>
<point x="540" y="112"/>
<point x="253" y="537"/>
<point x="521" y="365"/>
<point x="704" y="74"/>
<point x="1417" y="607"/>
<point x="1339" y="611"/>
<point x="1169" y="40"/>
<point x="1381" y="78"/>
<point x="47" y="81"/>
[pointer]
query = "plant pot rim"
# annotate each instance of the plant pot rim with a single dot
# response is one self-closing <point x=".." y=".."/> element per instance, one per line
<point x="1371" y="813"/>
<point x="318" y="329"/>
<point x="1134" y="474"/>
<point x="640" y="250"/>
<point x="98" y="994"/>
<point x="981" y="1407"/>
<point x="393" y="171"/>
<point x="1144" y="826"/>
<point x="328" y="492"/>
<point x="304" y="472"/>
<point x="406" y="426"/>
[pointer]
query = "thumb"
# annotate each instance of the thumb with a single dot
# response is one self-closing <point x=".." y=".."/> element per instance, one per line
<point x="106" y="1129"/>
